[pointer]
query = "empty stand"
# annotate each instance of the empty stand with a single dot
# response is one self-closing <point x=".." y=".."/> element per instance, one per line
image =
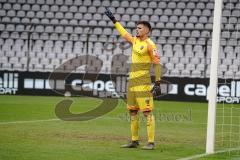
<point x="51" y="32"/>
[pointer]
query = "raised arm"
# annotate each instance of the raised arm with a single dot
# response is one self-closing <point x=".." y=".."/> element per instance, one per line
<point x="127" y="36"/>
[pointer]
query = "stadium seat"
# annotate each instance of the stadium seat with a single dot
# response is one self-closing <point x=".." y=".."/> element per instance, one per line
<point x="229" y="51"/>
<point x="174" y="60"/>
<point x="115" y="3"/>
<point x="166" y="33"/>
<point x="143" y="4"/>
<point x="197" y="48"/>
<point x="176" y="33"/>
<point x="190" y="67"/>
<point x="236" y="12"/>
<point x="222" y="67"/>
<point x="3" y="60"/>
<point x="18" y="67"/>
<point x="16" y="6"/>
<point x="232" y="42"/>
<point x="200" y="5"/>
<point x="237" y="75"/>
<point x="68" y="15"/>
<point x="185" y="33"/>
<point x="152" y="4"/>
<point x="7" y="66"/>
<point x="73" y="22"/>
<point x="92" y="23"/>
<point x="135" y="18"/>
<point x="177" y="12"/>
<point x="156" y="32"/>
<point x="226" y="13"/>
<point x="180" y="66"/>
<point x="187" y="12"/>
<point x="130" y="11"/>
<point x="92" y="9"/>
<point x="3" y="13"/>
<point x="196" y="74"/>
<point x="48" y="68"/>
<point x="68" y="2"/>
<point x="120" y="10"/>
<point x="82" y="9"/>
<point x="55" y="62"/>
<point x="181" y="5"/>
<point x="23" y="60"/>
<point x="134" y="4"/>
<point x="193" y="19"/>
<point x="162" y="5"/>
<point x="11" y="13"/>
<point x="179" y="25"/>
<point x="229" y="74"/>
<point x="199" y="26"/>
<point x="234" y="68"/>
<point x="10" y="27"/>
<point x="78" y="16"/>
<point x="26" y="7"/>
<point x="227" y="61"/>
<point x="53" y="8"/>
<point x="178" y="52"/>
<point x="124" y="4"/>
<point x="46" y="8"/>
<point x="168" y="12"/>
<point x="158" y="11"/>
<point x="164" y="60"/>
<point x="105" y="3"/>
<point x="73" y="9"/>
<point x="125" y="18"/>
<point x="195" y="60"/>
<point x="185" y="73"/>
<point x="16" y="20"/>
<point x="167" y="47"/>
<point x="173" y="19"/>
<point x="144" y="17"/>
<point x="184" y="60"/>
<point x="169" y="66"/>
<point x="207" y="12"/>
<point x="172" y="5"/>
<point x="6" y="19"/>
<point x="164" y="19"/>
<point x="149" y="11"/>
<point x="235" y="34"/>
<point x="200" y="67"/>
<point x="237" y="50"/>
<point x="175" y="73"/>
<point x="160" y="25"/>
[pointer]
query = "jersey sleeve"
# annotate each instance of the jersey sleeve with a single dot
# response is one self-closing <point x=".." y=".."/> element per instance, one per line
<point x="155" y="59"/>
<point x="154" y="53"/>
<point x="127" y="36"/>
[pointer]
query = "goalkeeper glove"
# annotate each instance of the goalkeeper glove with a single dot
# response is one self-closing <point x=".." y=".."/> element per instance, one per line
<point x="156" y="90"/>
<point x="110" y="15"/>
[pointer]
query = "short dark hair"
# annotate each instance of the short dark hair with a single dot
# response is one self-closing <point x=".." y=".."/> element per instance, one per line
<point x="145" y="23"/>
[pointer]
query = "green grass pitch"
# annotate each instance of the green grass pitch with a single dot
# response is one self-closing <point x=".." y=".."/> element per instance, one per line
<point x="30" y="130"/>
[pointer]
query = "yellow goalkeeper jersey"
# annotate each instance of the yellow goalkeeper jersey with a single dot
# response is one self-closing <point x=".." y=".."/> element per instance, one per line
<point x="144" y="53"/>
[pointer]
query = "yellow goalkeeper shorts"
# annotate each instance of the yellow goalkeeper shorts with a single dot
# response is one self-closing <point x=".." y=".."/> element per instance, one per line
<point x="140" y="98"/>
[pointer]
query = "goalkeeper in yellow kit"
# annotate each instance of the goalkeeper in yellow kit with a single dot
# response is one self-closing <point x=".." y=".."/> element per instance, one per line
<point x="140" y="91"/>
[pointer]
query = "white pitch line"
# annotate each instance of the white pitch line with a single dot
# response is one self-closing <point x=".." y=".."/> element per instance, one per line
<point x="113" y="118"/>
<point x="207" y="154"/>
<point x="33" y="121"/>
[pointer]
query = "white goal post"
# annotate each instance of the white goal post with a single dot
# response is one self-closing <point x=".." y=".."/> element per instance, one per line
<point x="212" y="94"/>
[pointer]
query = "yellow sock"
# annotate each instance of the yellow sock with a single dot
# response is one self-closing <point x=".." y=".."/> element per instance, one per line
<point x="150" y="128"/>
<point x="134" y="127"/>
